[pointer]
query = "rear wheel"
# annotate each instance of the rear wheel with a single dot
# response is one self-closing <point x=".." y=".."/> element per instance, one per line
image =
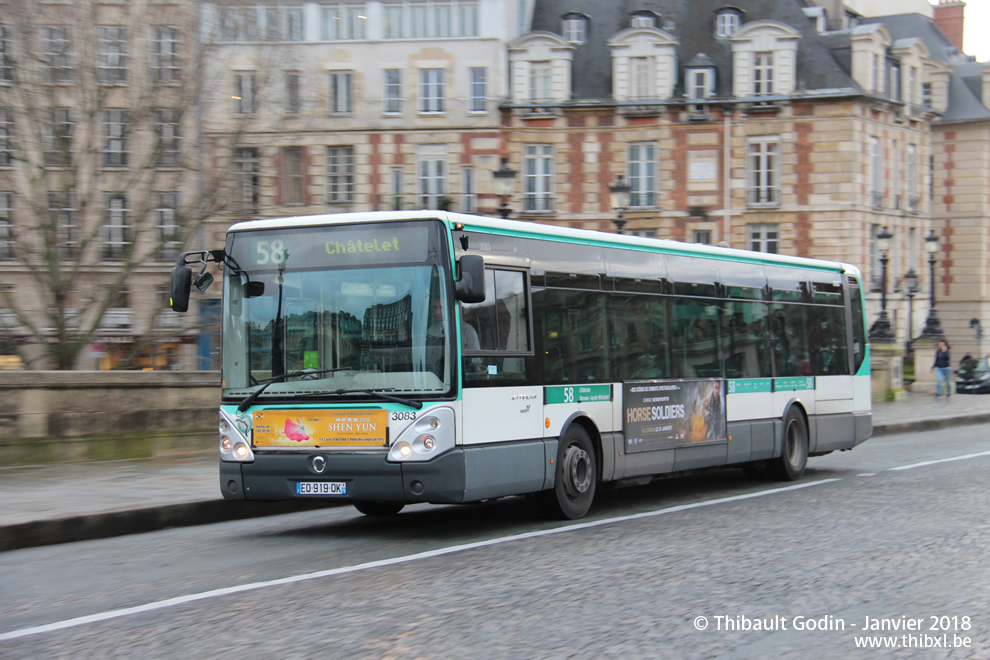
<point x="379" y="509"/>
<point x="576" y="477"/>
<point x="794" y="457"/>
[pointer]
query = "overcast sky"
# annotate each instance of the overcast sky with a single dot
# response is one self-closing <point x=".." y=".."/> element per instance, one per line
<point x="976" y="38"/>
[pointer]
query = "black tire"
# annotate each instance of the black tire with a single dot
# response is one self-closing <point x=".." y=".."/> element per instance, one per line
<point x="576" y="477"/>
<point x="789" y="466"/>
<point x="379" y="509"/>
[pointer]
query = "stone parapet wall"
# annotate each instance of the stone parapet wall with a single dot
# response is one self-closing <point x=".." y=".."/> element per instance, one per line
<point x="56" y="416"/>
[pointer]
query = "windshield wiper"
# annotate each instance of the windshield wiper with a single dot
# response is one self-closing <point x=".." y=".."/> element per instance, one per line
<point x="412" y="403"/>
<point x="246" y="403"/>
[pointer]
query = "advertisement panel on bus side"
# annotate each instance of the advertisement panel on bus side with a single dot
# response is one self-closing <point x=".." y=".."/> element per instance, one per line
<point x="664" y="414"/>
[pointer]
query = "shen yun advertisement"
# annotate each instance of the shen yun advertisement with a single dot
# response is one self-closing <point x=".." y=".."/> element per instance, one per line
<point x="665" y="414"/>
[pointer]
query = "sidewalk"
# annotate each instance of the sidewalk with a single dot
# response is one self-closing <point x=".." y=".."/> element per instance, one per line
<point x="79" y="501"/>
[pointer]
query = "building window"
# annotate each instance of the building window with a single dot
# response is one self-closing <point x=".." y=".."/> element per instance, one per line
<point x="699" y="85"/>
<point x="395" y="202"/>
<point x="116" y="233"/>
<point x="167" y="130"/>
<point x="726" y="23"/>
<point x="293" y="101"/>
<point x="6" y="69"/>
<point x="432" y="181"/>
<point x="477" y="92"/>
<point x="876" y="172"/>
<point x="56" y="49"/>
<point x="166" y="58"/>
<point x="6" y="135"/>
<point x="912" y="179"/>
<point x="431" y="90"/>
<point x="469" y="198"/>
<point x="6" y="226"/>
<point x="642" y="77"/>
<point x="292" y="20"/>
<point x="115" y="134"/>
<point x="926" y="94"/>
<point x="894" y="83"/>
<point x="340" y="92"/>
<point x="247" y="165"/>
<point x="702" y="236"/>
<point x="421" y="19"/>
<point x="642" y="168"/>
<point x="895" y="175"/>
<point x="574" y="29"/>
<point x="540" y="82"/>
<point x="57" y="138"/>
<point x="643" y="20"/>
<point x="538" y="177"/>
<point x="764" y="171"/>
<point x="875" y="76"/>
<point x="245" y="86"/>
<point x="340" y="174"/>
<point x="293" y="175"/>
<point x="762" y="74"/>
<point x="763" y="238"/>
<point x="167" y="225"/>
<point x="393" y="91"/>
<point x="111" y="66"/>
<point x="61" y="209"/>
<point x="344" y="22"/>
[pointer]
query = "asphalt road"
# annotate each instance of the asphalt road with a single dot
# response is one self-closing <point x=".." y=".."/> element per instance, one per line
<point x="893" y="532"/>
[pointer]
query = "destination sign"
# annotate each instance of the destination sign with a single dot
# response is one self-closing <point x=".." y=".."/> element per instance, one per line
<point x="333" y="246"/>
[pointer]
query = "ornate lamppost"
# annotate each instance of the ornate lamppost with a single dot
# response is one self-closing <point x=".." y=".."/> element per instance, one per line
<point x="911" y="288"/>
<point x="619" y="193"/>
<point x="932" y="329"/>
<point x="505" y="185"/>
<point x="881" y="331"/>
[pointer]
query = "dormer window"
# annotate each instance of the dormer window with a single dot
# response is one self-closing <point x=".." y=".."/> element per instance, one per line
<point x="727" y="22"/>
<point x="643" y="19"/>
<point x="575" y="28"/>
<point x="700" y="78"/>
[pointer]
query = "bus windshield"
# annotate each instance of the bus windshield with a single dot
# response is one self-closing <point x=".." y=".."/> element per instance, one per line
<point x="337" y="311"/>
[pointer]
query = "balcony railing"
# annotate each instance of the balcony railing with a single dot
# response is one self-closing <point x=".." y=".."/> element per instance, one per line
<point x="763" y="196"/>
<point x="537" y="203"/>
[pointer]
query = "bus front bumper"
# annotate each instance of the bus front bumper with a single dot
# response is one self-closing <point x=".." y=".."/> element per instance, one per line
<point x="366" y="477"/>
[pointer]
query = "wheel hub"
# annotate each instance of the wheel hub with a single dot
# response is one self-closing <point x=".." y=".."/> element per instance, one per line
<point x="576" y="471"/>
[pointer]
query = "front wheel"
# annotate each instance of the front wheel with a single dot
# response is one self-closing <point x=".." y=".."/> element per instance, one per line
<point x="576" y="477"/>
<point x="379" y="509"/>
<point x="794" y="457"/>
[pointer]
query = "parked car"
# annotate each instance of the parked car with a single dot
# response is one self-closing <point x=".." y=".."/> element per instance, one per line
<point x="974" y="376"/>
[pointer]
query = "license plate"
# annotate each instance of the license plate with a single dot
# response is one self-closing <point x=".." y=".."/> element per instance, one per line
<point x="321" y="488"/>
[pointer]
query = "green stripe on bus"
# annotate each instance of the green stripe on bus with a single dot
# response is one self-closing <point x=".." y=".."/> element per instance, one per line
<point x="749" y="385"/>
<point x="799" y="383"/>
<point x="577" y="393"/>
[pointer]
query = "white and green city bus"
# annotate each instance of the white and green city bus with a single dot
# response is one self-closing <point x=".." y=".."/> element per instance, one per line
<point x="388" y="358"/>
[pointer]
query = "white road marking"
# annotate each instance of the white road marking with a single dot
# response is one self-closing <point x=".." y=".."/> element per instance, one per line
<point x="941" y="460"/>
<point x="343" y="570"/>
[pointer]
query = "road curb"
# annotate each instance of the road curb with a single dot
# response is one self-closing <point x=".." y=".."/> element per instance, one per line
<point x="935" y="424"/>
<point x="147" y="519"/>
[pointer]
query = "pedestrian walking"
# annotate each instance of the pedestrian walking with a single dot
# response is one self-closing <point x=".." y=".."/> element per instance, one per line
<point x="943" y="369"/>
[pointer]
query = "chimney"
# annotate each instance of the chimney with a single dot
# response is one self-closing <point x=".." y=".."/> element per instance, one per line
<point x="949" y="19"/>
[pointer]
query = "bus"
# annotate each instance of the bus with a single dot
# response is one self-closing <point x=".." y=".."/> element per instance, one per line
<point x="389" y="358"/>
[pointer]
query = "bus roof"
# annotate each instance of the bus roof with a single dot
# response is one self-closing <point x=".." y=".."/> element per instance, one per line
<point x="523" y="228"/>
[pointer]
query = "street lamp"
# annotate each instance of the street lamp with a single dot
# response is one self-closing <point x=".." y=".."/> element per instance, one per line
<point x="505" y="185"/>
<point x="881" y="331"/>
<point x="933" y="329"/>
<point x="911" y="288"/>
<point x="618" y="194"/>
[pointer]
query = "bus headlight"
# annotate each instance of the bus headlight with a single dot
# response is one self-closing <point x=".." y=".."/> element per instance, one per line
<point x="234" y="443"/>
<point x="426" y="438"/>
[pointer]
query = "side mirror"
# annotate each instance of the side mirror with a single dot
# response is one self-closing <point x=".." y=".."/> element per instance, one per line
<point x="181" y="283"/>
<point x="470" y="288"/>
